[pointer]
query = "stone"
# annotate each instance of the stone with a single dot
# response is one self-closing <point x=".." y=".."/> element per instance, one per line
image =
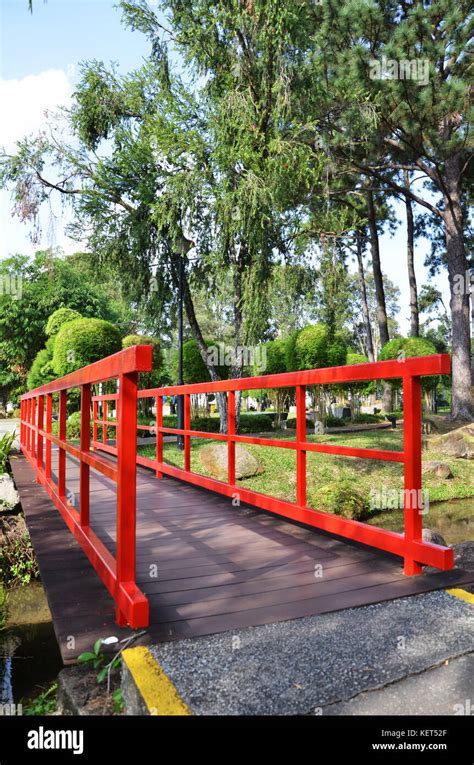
<point x="464" y="555"/>
<point x="9" y="497"/>
<point x="214" y="459"/>
<point x="434" y="537"/>
<point x="439" y="469"/>
<point x="457" y="443"/>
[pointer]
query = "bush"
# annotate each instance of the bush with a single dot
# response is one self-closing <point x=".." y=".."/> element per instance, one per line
<point x="249" y="423"/>
<point x="83" y="341"/>
<point x="255" y="423"/>
<point x="405" y="347"/>
<point x="59" y="318"/>
<point x="367" y="419"/>
<point x="334" y="422"/>
<point x="343" y="499"/>
<point x="151" y="379"/>
<point x="291" y="423"/>
<point x="313" y="347"/>
<point x="41" y="370"/>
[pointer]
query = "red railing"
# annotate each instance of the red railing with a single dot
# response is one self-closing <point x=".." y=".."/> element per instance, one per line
<point x="36" y="438"/>
<point x="119" y="575"/>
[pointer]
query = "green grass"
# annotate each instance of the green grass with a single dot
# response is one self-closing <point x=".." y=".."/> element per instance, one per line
<point x="279" y="478"/>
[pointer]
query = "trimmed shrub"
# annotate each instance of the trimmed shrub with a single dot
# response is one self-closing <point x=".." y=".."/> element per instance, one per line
<point x="405" y="347"/>
<point x="368" y="419"/>
<point x="291" y="423"/>
<point x="343" y="499"/>
<point x="312" y="348"/>
<point x="41" y="370"/>
<point x="59" y="318"/>
<point x="249" y="423"/>
<point x="334" y="422"/>
<point x="83" y="341"/>
<point x="151" y="379"/>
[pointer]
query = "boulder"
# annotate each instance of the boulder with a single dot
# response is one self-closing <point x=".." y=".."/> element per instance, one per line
<point x="214" y="459"/>
<point x="439" y="469"/>
<point x="434" y="538"/>
<point x="464" y="555"/>
<point x="9" y="497"/>
<point x="457" y="443"/>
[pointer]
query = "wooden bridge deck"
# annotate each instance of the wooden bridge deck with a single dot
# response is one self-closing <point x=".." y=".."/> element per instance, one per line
<point x="205" y="565"/>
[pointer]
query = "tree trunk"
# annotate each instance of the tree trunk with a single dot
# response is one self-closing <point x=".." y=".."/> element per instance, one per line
<point x="365" y="305"/>
<point x="414" y="316"/>
<point x="379" y="291"/>
<point x="461" y="405"/>
<point x="196" y="330"/>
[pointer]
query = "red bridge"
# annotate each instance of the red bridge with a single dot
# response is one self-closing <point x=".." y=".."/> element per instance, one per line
<point x="173" y="552"/>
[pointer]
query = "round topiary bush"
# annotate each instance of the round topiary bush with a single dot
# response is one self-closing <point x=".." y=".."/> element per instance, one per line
<point x="59" y="318"/>
<point x="155" y="377"/>
<point x="313" y="347"/>
<point x="83" y="341"/>
<point x="406" y="347"/>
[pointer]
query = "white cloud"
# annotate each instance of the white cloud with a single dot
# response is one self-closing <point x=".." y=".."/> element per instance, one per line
<point x="25" y="101"/>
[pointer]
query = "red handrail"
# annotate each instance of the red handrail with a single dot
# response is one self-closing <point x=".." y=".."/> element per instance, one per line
<point x="408" y="545"/>
<point x="118" y="574"/>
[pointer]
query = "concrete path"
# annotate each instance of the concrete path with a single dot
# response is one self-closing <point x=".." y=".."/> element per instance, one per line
<point x="410" y="656"/>
<point x="8" y="426"/>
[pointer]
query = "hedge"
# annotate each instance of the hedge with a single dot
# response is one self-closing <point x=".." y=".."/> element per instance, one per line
<point x="83" y="341"/>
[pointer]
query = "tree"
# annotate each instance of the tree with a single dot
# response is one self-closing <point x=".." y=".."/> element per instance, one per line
<point x="423" y="121"/>
<point x="405" y="347"/>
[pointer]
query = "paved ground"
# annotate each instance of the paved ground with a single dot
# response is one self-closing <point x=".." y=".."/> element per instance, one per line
<point x="332" y="663"/>
<point x="7" y="426"/>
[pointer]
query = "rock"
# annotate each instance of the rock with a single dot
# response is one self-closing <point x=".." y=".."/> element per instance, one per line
<point x="434" y="538"/>
<point x="439" y="469"/>
<point x="457" y="443"/>
<point x="9" y="497"/>
<point x="214" y="459"/>
<point x="464" y="555"/>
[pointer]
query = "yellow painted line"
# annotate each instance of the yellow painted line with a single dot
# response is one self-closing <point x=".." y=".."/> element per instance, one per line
<point x="462" y="594"/>
<point x="157" y="690"/>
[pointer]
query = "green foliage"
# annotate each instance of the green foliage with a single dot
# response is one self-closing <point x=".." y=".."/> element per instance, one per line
<point x="3" y="607"/>
<point x="291" y="423"/>
<point x="41" y="370"/>
<point x="249" y="423"/>
<point x="342" y="498"/>
<point x="154" y="378"/>
<point x="18" y="563"/>
<point x="313" y="347"/>
<point x="334" y="422"/>
<point x="44" y="704"/>
<point x="405" y="347"/>
<point x="6" y="443"/>
<point x="367" y="419"/>
<point x="83" y="341"/>
<point x="60" y="317"/>
<point x="99" y="660"/>
<point x="194" y="368"/>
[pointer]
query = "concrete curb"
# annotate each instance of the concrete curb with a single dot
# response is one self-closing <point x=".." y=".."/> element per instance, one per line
<point x="146" y="688"/>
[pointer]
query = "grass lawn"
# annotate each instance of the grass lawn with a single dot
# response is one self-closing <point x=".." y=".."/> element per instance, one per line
<point x="364" y="475"/>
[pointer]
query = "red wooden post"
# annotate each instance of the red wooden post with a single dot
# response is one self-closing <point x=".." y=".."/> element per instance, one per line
<point x="300" y="438"/>
<point x="95" y="410"/>
<point x="62" y="437"/>
<point x="159" y="435"/>
<point x="104" y="426"/>
<point x="187" y="426"/>
<point x="33" y="429"/>
<point x="28" y="429"/>
<point x="48" y="428"/>
<point x="412" y="449"/>
<point x="39" y="450"/>
<point x="126" y="482"/>
<point x="85" y="445"/>
<point x="230" y="442"/>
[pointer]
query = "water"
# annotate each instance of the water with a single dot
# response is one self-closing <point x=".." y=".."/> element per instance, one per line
<point x="29" y="655"/>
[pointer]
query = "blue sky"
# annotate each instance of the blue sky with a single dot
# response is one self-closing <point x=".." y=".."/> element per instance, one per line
<point x="40" y="53"/>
